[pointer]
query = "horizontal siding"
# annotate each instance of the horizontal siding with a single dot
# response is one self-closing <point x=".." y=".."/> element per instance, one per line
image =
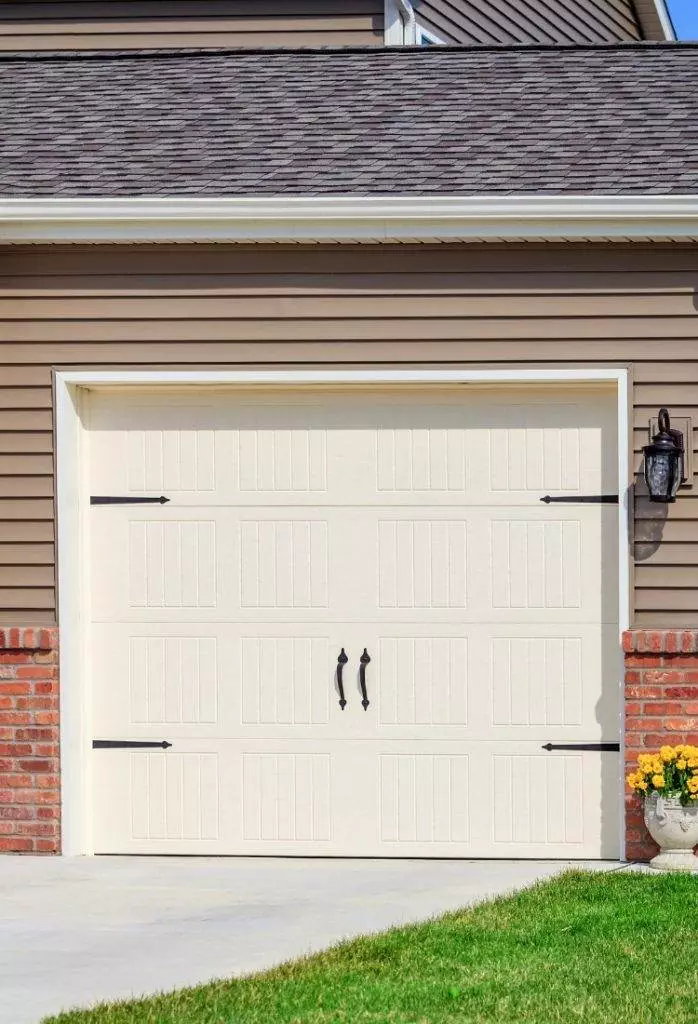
<point x="139" y="24"/>
<point x="220" y="306"/>
<point x="530" y="21"/>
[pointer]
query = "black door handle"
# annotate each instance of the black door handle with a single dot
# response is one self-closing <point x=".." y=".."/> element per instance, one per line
<point x="364" y="660"/>
<point x="341" y="662"/>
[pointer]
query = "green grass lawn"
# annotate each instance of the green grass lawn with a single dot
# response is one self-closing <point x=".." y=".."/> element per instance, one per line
<point x="584" y="948"/>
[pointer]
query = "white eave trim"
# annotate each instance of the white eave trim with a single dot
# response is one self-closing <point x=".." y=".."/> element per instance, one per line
<point x="655" y="20"/>
<point x="351" y="219"/>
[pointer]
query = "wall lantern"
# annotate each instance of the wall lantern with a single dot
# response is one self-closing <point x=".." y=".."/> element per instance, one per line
<point x="664" y="461"/>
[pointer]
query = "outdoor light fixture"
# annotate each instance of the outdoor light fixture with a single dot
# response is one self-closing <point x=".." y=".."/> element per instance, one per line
<point x="664" y="461"/>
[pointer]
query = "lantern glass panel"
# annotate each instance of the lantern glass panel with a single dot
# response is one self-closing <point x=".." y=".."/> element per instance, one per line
<point x="663" y="474"/>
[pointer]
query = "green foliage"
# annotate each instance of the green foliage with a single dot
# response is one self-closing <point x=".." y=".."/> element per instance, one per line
<point x="580" y="949"/>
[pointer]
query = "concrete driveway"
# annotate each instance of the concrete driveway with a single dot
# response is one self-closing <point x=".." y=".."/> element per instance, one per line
<point x="78" y="931"/>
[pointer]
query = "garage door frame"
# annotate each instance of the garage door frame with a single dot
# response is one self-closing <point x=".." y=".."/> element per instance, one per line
<point x="72" y="504"/>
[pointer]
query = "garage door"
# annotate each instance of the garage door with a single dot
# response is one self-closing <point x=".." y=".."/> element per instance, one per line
<point x="400" y="530"/>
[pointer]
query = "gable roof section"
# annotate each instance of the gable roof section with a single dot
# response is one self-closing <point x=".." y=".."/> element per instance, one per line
<point x="488" y="22"/>
<point x="469" y="122"/>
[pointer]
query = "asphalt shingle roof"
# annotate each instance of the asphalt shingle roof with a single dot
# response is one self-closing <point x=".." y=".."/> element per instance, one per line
<point x="613" y="119"/>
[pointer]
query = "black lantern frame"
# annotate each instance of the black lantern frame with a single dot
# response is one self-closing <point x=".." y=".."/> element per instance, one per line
<point x="664" y="461"/>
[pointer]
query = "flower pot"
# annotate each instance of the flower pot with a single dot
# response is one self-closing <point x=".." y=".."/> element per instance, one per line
<point x="675" y="830"/>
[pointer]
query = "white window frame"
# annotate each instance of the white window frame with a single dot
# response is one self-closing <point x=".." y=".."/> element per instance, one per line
<point x="425" y="33"/>
<point x="72" y="507"/>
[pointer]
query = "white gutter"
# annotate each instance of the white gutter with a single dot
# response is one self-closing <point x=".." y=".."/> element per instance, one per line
<point x="351" y="219"/>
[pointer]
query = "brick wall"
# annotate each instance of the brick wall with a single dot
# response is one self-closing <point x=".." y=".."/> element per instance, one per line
<point x="661" y="706"/>
<point x="29" y="783"/>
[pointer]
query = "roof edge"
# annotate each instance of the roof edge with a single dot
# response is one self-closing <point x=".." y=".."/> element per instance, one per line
<point x="655" y="42"/>
<point x="351" y="219"/>
<point x="655" y="20"/>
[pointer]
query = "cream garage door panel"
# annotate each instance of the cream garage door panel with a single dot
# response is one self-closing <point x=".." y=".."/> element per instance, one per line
<point x="301" y="524"/>
<point x="506" y="566"/>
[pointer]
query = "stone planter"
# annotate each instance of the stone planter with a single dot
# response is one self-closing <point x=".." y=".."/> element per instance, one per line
<point x="675" y="830"/>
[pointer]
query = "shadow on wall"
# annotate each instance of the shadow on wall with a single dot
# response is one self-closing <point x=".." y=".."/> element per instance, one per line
<point x="650" y="517"/>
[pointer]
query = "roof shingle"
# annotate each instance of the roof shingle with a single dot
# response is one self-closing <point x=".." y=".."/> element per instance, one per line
<point x="522" y="120"/>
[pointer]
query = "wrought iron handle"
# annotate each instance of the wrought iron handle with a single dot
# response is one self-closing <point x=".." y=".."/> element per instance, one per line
<point x="341" y="662"/>
<point x="363" y="662"/>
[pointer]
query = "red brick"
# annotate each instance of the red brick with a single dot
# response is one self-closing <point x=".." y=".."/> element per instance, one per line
<point x="35" y="703"/>
<point x="657" y="709"/>
<point x="15" y="781"/>
<point x="46" y="718"/>
<point x="681" y="724"/>
<point x="681" y="692"/>
<point x="15" y="717"/>
<point x="36" y="672"/>
<point x="15" y="749"/>
<point x="16" y="844"/>
<point x="46" y="733"/>
<point x="45" y="686"/>
<point x="659" y="677"/>
<point x="47" y="812"/>
<point x="45" y="658"/>
<point x="655" y="740"/>
<point x="16" y="812"/>
<point x="15" y="658"/>
<point x="37" y="765"/>
<point x="643" y="661"/>
<point x="36" y="828"/>
<point x="633" y="709"/>
<point x="644" y="691"/>
<point x="14" y="688"/>
<point x="47" y="845"/>
<point x="46" y="750"/>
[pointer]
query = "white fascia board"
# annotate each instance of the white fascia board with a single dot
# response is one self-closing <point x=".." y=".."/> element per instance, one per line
<point x="655" y="20"/>
<point x="350" y="219"/>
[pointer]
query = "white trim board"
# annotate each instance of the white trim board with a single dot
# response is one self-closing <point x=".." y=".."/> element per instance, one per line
<point x="351" y="219"/>
<point x="71" y="491"/>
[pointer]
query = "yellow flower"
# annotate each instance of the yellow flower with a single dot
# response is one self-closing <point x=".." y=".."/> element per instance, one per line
<point x="667" y="754"/>
<point x="643" y="786"/>
<point x="681" y="763"/>
<point x="692" y="785"/>
<point x="693" y="762"/>
<point x="657" y="781"/>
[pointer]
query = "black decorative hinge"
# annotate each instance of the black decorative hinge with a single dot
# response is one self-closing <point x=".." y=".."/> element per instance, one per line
<point x="589" y="499"/>
<point x="581" y="746"/>
<point x="108" y="500"/>
<point x="125" y="744"/>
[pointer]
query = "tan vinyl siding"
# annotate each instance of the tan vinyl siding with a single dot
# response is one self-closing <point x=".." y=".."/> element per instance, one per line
<point x="483" y="22"/>
<point x="151" y="24"/>
<point x="208" y="306"/>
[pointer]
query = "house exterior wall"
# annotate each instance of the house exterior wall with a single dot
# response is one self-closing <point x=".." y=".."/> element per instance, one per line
<point x="150" y="24"/>
<point x="216" y="306"/>
<point x="483" y="22"/>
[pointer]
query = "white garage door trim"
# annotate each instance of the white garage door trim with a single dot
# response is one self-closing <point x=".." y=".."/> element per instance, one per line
<point x="71" y="508"/>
